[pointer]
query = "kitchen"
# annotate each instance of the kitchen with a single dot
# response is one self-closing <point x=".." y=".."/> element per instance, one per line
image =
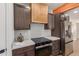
<point x="45" y="36"/>
<point x="40" y="32"/>
<point x="36" y="30"/>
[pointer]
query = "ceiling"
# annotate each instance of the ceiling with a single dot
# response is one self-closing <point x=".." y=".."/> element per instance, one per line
<point x="51" y="6"/>
<point x="73" y="13"/>
<point x="54" y="5"/>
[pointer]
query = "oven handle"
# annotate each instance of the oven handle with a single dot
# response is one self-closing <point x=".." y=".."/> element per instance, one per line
<point x="38" y="47"/>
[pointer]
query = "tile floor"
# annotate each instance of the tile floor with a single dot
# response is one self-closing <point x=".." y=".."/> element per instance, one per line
<point x="75" y="48"/>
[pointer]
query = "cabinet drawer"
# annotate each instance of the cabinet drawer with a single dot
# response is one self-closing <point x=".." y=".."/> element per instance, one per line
<point x="17" y="51"/>
<point x="29" y="48"/>
<point x="56" y="44"/>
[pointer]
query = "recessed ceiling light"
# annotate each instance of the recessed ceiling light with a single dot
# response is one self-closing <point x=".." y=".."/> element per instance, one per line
<point x="75" y="12"/>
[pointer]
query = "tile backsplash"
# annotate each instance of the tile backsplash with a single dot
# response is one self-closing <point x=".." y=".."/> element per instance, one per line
<point x="37" y="30"/>
<point x="25" y="33"/>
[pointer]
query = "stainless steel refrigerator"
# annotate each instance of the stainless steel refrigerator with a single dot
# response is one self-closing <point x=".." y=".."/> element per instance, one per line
<point x="66" y="36"/>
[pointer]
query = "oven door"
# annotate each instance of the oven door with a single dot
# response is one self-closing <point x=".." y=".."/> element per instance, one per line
<point x="44" y="51"/>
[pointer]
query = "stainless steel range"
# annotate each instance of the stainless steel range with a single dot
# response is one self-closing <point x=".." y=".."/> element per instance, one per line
<point x="43" y="46"/>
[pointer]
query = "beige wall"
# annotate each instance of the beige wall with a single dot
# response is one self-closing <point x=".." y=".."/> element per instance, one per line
<point x="9" y="23"/>
<point x="6" y="27"/>
<point x="2" y="27"/>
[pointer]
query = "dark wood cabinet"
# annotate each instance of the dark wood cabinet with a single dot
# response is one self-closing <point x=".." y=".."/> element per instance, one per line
<point x="56" y="30"/>
<point x="56" y="47"/>
<point x="25" y="51"/>
<point x="50" y="24"/>
<point x="22" y="17"/>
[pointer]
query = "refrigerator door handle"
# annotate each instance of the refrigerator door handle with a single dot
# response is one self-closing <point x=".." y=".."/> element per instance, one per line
<point x="69" y="42"/>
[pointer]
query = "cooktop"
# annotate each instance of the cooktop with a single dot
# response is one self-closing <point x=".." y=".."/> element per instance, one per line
<point x="41" y="41"/>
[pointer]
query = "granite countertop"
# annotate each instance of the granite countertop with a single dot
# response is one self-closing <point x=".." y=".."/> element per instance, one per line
<point x="53" y="38"/>
<point x="29" y="42"/>
<point x="25" y="43"/>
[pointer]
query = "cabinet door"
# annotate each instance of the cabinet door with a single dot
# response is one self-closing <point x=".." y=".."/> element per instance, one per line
<point x="56" y="47"/>
<point x="21" y="19"/>
<point x="56" y="30"/>
<point x="27" y="18"/>
<point x="50" y="24"/>
<point x="43" y="13"/>
<point x="30" y="53"/>
<point x="20" y="54"/>
<point x="35" y="12"/>
<point x="24" y="51"/>
<point x="55" y="52"/>
<point x="39" y="13"/>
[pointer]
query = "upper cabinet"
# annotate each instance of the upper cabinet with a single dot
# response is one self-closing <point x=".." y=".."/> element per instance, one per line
<point x="39" y="13"/>
<point x="22" y="17"/>
<point x="50" y="24"/>
<point x="26" y="13"/>
<point x="56" y="30"/>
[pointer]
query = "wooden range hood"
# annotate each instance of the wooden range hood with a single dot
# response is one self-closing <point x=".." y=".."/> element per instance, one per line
<point x="65" y="7"/>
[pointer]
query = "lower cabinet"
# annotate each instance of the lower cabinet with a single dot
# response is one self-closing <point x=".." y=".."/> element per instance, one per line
<point x="30" y="50"/>
<point x="55" y="52"/>
<point x="25" y="51"/>
<point x="56" y="47"/>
